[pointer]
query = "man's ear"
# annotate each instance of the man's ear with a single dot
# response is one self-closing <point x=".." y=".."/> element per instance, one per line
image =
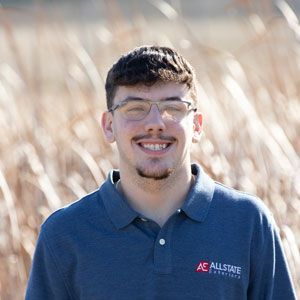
<point x="107" y="126"/>
<point x="197" y="127"/>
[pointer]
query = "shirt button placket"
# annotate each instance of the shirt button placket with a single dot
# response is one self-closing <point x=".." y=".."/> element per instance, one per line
<point x="163" y="249"/>
<point x="162" y="254"/>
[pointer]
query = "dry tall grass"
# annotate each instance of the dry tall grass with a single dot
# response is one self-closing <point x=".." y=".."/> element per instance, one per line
<point x="51" y="97"/>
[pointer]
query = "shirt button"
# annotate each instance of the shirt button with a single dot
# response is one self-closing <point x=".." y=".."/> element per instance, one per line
<point x="179" y="210"/>
<point x="162" y="241"/>
<point x="143" y="219"/>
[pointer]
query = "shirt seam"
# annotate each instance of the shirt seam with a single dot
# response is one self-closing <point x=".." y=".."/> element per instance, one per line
<point x="269" y="230"/>
<point x="57" y="268"/>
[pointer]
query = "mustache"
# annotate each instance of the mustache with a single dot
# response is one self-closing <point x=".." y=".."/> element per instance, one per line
<point x="149" y="136"/>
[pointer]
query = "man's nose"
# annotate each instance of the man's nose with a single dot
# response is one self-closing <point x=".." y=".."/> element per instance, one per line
<point x="154" y="121"/>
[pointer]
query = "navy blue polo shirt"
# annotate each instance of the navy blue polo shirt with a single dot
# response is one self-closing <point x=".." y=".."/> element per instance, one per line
<point x="221" y="244"/>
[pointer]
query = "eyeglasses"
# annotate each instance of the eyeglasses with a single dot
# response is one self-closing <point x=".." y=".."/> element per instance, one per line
<point x="136" y="110"/>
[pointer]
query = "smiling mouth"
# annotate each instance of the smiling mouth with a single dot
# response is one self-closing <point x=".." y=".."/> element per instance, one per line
<point x="154" y="147"/>
<point x="158" y="144"/>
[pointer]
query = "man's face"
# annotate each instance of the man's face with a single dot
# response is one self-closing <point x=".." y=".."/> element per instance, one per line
<point x="153" y="147"/>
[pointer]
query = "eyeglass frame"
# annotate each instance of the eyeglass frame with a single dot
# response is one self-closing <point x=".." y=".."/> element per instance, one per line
<point x="152" y="102"/>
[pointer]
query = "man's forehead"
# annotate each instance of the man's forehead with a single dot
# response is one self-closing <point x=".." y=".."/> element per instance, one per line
<point x="156" y="91"/>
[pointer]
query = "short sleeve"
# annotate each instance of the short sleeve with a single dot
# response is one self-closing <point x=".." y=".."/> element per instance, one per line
<point x="271" y="278"/>
<point x="45" y="279"/>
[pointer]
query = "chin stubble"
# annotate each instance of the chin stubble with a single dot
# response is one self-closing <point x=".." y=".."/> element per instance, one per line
<point x="155" y="175"/>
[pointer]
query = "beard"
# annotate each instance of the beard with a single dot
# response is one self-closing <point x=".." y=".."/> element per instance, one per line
<point x="154" y="172"/>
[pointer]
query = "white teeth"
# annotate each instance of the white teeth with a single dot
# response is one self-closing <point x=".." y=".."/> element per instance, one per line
<point x="154" y="147"/>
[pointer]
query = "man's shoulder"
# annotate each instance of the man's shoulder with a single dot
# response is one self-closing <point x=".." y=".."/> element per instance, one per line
<point x="240" y="201"/>
<point x="227" y="199"/>
<point x="72" y="215"/>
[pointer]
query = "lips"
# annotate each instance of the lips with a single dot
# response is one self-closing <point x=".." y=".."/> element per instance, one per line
<point x="154" y="147"/>
<point x="158" y="144"/>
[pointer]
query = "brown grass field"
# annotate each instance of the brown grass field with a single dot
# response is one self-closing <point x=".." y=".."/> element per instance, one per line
<point x="52" y="76"/>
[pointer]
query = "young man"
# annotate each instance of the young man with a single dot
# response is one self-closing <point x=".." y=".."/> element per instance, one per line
<point x="159" y="227"/>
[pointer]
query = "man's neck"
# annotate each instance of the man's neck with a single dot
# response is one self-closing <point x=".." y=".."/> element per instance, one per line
<point x="156" y="199"/>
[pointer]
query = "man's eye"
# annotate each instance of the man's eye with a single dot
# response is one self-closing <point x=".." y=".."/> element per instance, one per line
<point x="136" y="108"/>
<point x="173" y="108"/>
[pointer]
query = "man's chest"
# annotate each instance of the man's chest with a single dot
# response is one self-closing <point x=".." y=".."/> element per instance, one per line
<point x="167" y="264"/>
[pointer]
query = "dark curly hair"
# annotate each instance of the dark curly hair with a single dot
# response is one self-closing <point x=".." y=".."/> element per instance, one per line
<point x="148" y="65"/>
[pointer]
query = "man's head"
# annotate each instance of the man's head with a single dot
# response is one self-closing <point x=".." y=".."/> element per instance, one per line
<point x="152" y="115"/>
<point x="148" y="65"/>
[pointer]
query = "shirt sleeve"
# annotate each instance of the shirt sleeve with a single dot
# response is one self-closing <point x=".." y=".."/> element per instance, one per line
<point x="45" y="279"/>
<point x="271" y="279"/>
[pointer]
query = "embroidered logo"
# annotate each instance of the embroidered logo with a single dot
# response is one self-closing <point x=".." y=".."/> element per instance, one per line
<point x="203" y="266"/>
<point x="219" y="269"/>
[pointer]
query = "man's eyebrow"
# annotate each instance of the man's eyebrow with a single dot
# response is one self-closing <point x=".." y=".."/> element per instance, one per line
<point x="172" y="98"/>
<point x="133" y="98"/>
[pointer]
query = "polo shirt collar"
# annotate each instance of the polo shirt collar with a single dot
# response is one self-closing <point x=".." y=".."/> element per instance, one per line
<point x="198" y="200"/>
<point x="196" y="205"/>
<point x="119" y="211"/>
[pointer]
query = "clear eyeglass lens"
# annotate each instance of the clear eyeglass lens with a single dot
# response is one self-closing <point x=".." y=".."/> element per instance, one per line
<point x="138" y="109"/>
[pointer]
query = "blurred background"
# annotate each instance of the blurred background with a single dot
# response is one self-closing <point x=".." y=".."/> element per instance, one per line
<point x="54" y="56"/>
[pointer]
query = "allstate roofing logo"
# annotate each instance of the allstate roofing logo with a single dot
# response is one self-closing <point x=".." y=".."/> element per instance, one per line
<point x="219" y="269"/>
